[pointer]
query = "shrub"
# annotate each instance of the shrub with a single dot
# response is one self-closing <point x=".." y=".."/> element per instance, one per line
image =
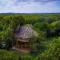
<point x="52" y="52"/>
<point x="8" y="55"/>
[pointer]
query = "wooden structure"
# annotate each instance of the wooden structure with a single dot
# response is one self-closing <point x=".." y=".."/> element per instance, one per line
<point x="23" y="37"/>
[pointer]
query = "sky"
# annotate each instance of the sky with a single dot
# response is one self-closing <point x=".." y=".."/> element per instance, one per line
<point x="29" y="6"/>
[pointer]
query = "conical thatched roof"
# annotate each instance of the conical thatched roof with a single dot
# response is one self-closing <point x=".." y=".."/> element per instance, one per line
<point x="26" y="31"/>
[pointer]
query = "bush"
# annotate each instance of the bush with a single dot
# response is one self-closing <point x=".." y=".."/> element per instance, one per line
<point x="52" y="52"/>
<point x="8" y="55"/>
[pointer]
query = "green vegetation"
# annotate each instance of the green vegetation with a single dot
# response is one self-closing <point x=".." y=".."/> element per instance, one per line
<point x="48" y="43"/>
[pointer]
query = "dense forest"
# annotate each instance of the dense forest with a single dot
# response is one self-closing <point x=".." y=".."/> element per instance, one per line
<point x="48" y="42"/>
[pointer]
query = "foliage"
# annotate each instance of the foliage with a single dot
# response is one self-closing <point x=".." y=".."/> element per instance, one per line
<point x="6" y="55"/>
<point x="46" y="45"/>
<point x="53" y="50"/>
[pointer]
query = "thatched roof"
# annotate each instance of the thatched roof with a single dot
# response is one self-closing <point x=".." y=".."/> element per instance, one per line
<point x="26" y="31"/>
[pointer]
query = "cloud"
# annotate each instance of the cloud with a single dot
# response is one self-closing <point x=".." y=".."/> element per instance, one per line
<point x="6" y="2"/>
<point x="45" y="0"/>
<point x="28" y="6"/>
<point x="36" y="0"/>
<point x="17" y="2"/>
